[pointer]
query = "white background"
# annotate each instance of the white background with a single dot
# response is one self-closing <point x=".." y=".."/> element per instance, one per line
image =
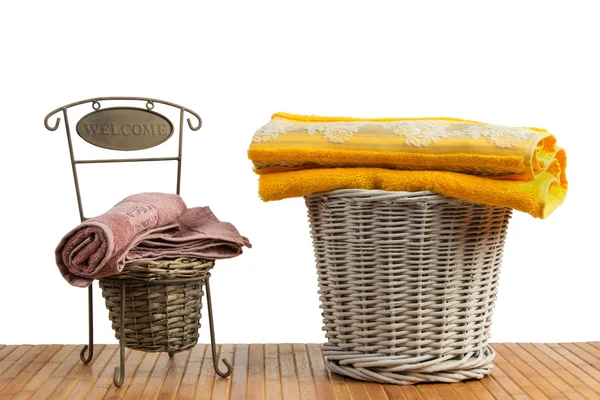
<point x="235" y="63"/>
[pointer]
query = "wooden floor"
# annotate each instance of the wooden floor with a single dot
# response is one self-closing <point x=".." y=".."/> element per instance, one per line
<point x="284" y="371"/>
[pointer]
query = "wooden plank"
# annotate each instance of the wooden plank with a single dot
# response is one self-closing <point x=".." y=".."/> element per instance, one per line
<point x="566" y="390"/>
<point x="12" y="355"/>
<point x="428" y="391"/>
<point x="558" y="369"/>
<point x="138" y="381"/>
<point x="156" y="377"/>
<point x="4" y="381"/>
<point x="411" y="392"/>
<point x="526" y="375"/>
<point x="445" y="391"/>
<point x="22" y="396"/>
<point x="239" y="377"/>
<point x="222" y="386"/>
<point x="38" y="379"/>
<point x="507" y="384"/>
<point x="357" y="390"/>
<point x="569" y="361"/>
<point x="272" y="373"/>
<point x="581" y="358"/>
<point x="289" y="381"/>
<point x="132" y="362"/>
<point x="187" y="387"/>
<point x="492" y="386"/>
<point x="6" y="350"/>
<point x="472" y="392"/>
<point x="375" y="391"/>
<point x="255" y="389"/>
<point x="204" y="385"/>
<point x="102" y="356"/>
<point x="588" y="351"/>
<point x="91" y="372"/>
<point x="303" y="372"/>
<point x="394" y="392"/>
<point x="68" y="368"/>
<point x="12" y="365"/>
<point x="340" y="388"/>
<point x="168" y="391"/>
<point x="323" y="387"/>
<point x="521" y="381"/>
<point x="54" y="384"/>
<point x="30" y="370"/>
<point x="48" y="369"/>
<point x="46" y="372"/>
<point x="585" y="351"/>
<point x="106" y="378"/>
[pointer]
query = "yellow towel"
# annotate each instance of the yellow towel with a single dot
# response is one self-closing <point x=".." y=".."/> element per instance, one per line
<point x="293" y="142"/>
<point x="538" y="197"/>
<point x="520" y="168"/>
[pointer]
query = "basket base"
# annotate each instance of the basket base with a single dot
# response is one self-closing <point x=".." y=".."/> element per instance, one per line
<point x="393" y="370"/>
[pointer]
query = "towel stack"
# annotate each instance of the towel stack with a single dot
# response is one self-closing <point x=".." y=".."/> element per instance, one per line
<point x="145" y="226"/>
<point x="520" y="168"/>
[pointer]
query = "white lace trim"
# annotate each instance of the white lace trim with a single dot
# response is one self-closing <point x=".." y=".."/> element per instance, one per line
<point x="270" y="131"/>
<point x="416" y="133"/>
<point x="420" y="133"/>
<point x="502" y="136"/>
<point x="336" y="133"/>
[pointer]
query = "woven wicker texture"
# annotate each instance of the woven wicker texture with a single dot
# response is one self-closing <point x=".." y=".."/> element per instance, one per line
<point x="163" y="299"/>
<point x="407" y="283"/>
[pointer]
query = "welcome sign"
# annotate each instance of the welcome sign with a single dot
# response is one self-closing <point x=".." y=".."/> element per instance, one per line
<point x="124" y="128"/>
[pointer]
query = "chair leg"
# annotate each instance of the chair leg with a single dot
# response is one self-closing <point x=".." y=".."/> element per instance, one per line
<point x="86" y="359"/>
<point x="119" y="375"/>
<point x="213" y="344"/>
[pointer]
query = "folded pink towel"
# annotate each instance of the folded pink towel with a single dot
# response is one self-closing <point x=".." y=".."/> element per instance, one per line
<point x="138" y="229"/>
<point x="97" y="247"/>
<point x="199" y="234"/>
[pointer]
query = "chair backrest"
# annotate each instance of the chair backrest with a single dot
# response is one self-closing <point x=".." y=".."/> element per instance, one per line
<point x="123" y="129"/>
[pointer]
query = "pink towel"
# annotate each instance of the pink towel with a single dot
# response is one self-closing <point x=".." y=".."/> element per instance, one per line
<point x="147" y="226"/>
<point x="96" y="248"/>
<point x="198" y="234"/>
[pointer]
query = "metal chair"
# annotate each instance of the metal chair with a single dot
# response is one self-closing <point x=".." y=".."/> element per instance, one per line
<point x="128" y="129"/>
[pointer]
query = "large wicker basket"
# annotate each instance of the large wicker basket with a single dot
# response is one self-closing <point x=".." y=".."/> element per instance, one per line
<point x="407" y="283"/>
<point x="163" y="299"/>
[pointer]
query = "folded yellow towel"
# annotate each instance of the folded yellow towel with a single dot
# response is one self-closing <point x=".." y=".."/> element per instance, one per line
<point x="293" y="142"/>
<point x="520" y="168"/>
<point x="538" y="197"/>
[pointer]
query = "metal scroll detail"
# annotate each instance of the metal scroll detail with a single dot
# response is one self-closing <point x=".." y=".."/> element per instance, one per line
<point x="96" y="106"/>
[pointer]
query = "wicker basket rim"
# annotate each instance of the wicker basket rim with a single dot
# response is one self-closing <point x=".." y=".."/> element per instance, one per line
<point x="368" y="195"/>
<point x="165" y="271"/>
<point x="156" y="281"/>
<point x="160" y="263"/>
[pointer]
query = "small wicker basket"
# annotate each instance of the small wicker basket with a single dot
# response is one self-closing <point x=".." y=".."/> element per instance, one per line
<point x="162" y="306"/>
<point x="407" y="283"/>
